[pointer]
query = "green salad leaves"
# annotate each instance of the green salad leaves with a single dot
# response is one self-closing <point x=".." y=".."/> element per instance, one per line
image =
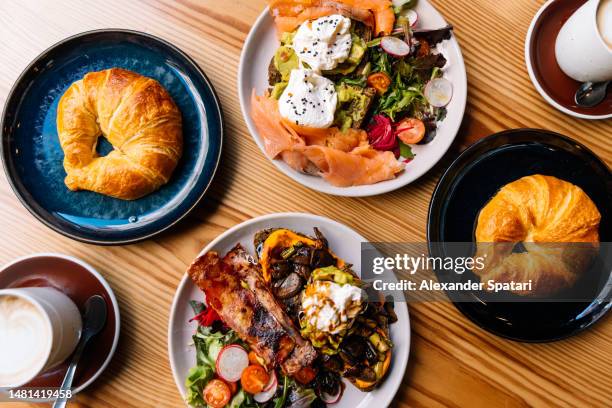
<point x="208" y="342"/>
<point x="196" y="380"/>
<point x="405" y="98"/>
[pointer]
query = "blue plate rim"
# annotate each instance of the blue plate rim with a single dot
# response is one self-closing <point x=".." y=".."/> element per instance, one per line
<point x="112" y="241"/>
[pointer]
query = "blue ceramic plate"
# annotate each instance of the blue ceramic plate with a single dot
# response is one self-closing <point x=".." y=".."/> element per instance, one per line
<point x="32" y="155"/>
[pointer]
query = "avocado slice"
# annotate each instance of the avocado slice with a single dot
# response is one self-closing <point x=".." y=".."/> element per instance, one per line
<point x="285" y="61"/>
<point x="278" y="89"/>
<point x="354" y="103"/>
<point x="358" y="51"/>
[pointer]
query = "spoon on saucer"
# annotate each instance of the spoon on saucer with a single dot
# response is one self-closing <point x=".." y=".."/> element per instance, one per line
<point x="93" y="322"/>
<point x="591" y="94"/>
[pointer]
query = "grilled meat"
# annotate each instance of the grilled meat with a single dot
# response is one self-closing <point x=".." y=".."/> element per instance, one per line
<point x="235" y="290"/>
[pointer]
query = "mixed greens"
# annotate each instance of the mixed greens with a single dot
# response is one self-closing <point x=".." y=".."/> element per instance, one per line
<point x="206" y="386"/>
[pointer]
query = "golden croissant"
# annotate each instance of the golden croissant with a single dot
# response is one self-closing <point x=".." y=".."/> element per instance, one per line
<point x="137" y="116"/>
<point x="558" y="225"/>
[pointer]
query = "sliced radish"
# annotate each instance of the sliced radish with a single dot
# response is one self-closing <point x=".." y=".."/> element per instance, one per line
<point x="269" y="390"/>
<point x="439" y="92"/>
<point x="332" y="399"/>
<point x="394" y="46"/>
<point x="412" y="17"/>
<point x="231" y="362"/>
<point x="273" y="383"/>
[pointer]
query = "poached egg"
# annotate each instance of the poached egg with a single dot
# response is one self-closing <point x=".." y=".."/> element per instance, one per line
<point x="329" y="307"/>
<point x="309" y="100"/>
<point x="324" y="43"/>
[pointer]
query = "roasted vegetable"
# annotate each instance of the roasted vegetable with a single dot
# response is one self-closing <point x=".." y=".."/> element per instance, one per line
<point x="301" y="253"/>
<point x="359" y="348"/>
<point x="366" y="360"/>
<point x="287" y="287"/>
<point x="279" y="245"/>
<point x="364" y="356"/>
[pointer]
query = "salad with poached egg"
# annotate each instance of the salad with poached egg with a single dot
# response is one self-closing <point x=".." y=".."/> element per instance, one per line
<point x="353" y="85"/>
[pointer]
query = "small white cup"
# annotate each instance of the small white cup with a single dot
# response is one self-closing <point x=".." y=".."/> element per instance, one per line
<point x="580" y="48"/>
<point x="59" y="328"/>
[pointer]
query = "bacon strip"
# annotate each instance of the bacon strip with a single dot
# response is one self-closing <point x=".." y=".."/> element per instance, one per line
<point x="235" y="290"/>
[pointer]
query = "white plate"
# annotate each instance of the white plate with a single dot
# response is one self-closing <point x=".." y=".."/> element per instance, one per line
<point x="346" y="243"/>
<point x="259" y="49"/>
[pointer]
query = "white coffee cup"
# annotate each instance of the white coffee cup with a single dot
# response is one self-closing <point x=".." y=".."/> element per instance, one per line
<point x="581" y="50"/>
<point x="39" y="329"/>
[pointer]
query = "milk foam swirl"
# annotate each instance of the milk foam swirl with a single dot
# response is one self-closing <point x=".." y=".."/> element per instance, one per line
<point x="604" y="21"/>
<point x="25" y="340"/>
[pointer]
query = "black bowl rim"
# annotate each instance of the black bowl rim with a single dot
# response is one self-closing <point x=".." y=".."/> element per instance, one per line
<point x="137" y="238"/>
<point x="435" y="197"/>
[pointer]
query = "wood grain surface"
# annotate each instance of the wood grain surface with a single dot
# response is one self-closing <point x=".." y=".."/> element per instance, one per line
<point x="452" y="362"/>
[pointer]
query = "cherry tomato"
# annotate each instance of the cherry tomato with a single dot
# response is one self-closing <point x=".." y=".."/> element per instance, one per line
<point x="233" y="386"/>
<point x="254" y="378"/>
<point x="410" y="131"/>
<point x="217" y="393"/>
<point x="379" y="81"/>
<point x="254" y="358"/>
<point x="305" y="375"/>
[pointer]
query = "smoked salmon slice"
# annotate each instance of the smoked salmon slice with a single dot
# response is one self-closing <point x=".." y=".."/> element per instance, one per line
<point x="290" y="14"/>
<point x="342" y="158"/>
<point x="361" y="166"/>
<point x="331" y="137"/>
<point x="279" y="137"/>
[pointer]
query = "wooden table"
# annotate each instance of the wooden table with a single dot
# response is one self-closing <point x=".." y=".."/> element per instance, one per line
<point x="452" y="362"/>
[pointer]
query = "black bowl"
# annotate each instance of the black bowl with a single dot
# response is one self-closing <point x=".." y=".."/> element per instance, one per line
<point x="473" y="179"/>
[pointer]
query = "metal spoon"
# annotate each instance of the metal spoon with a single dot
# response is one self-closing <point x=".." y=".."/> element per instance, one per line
<point x="591" y="94"/>
<point x="93" y="322"/>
